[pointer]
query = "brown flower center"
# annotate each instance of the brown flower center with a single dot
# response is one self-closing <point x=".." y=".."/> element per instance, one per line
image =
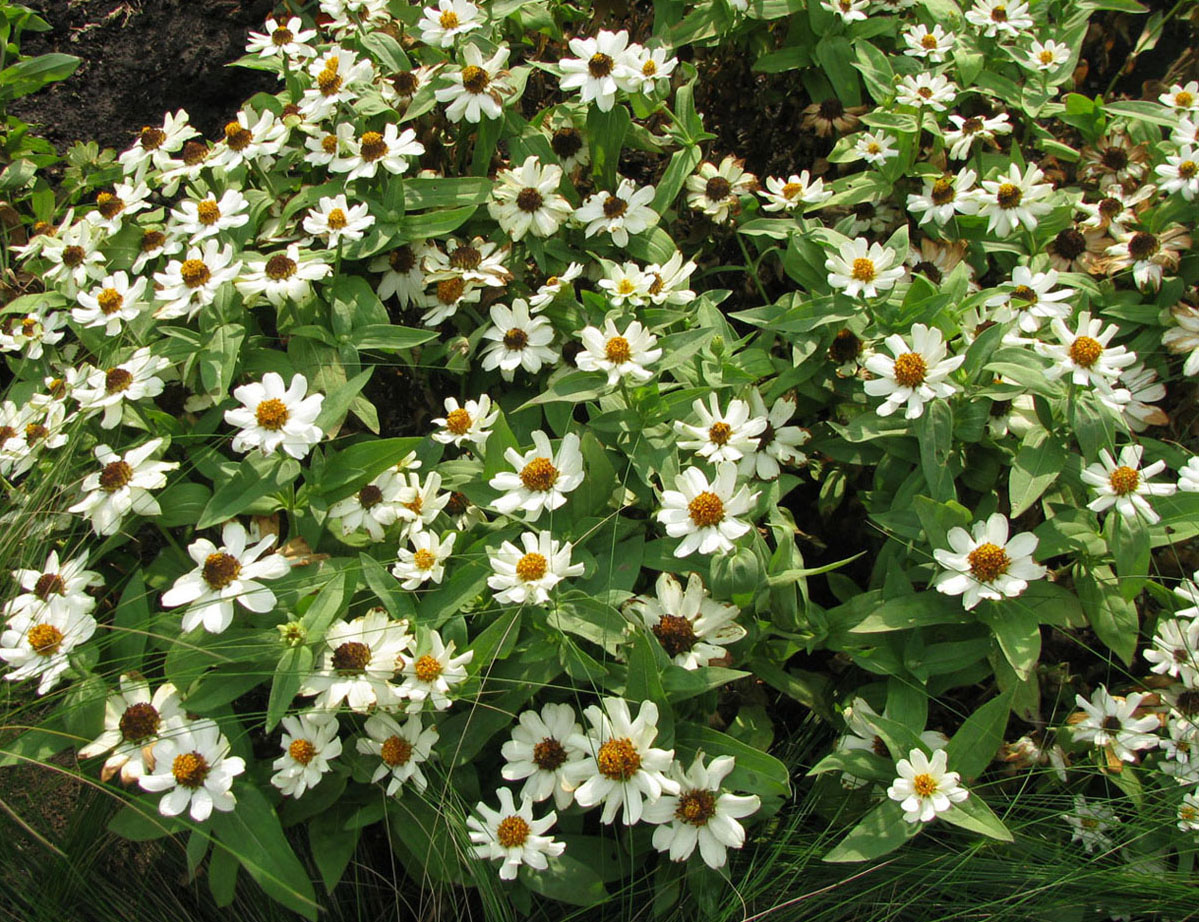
<point x="831" y="108"/>
<point x="35" y="432"/>
<point x="529" y="200"/>
<point x="280" y="267"/>
<point x="1114" y="158"/>
<point x="151" y="138"/>
<point x="428" y="668"/>
<point x="329" y="144"/>
<point x="1026" y="294"/>
<point x="466" y="257"/>
<point x="281" y="37"/>
<point x="396" y="751"/>
<point x="238" y="136"/>
<point x="618" y="759"/>
<point x="328" y="81"/>
<point x="450" y="290"/>
<point x="302" y="751"/>
<point x="600" y="65"/>
<point x="910" y="369"/>
<point x="220" y="569"/>
<point x="1112" y="724"/>
<point x="351" y="658"/>
<point x="717" y="189"/>
<point x="272" y="414"/>
<point x="531" y="567"/>
<point x="152" y="240"/>
<point x="196" y="152"/>
<point x="719" y="433"/>
<point x="988" y="562"/>
<point x="109" y="205"/>
<point x="474" y="79"/>
<point x="48" y="583"/>
<point x="405" y="83"/>
<point x="1143" y="245"/>
<point x="1009" y="195"/>
<point x="566" y="142"/>
<point x="539" y="475"/>
<point x="614" y="206"/>
<point x="1069" y="244"/>
<point x="1085" y="351"/>
<point x="1124" y="480"/>
<point x="190" y="769"/>
<point x="370" y="496"/>
<point x="372" y="146"/>
<point x="846" y="346"/>
<point x="1187" y="169"/>
<point x="457" y="422"/>
<point x="208" y="212"/>
<point x="549" y="754"/>
<point x="512" y="832"/>
<point x="117" y="381"/>
<point x="115" y="475"/>
<point x="45" y="639"/>
<point x="195" y="273"/>
<point x="696" y="807"/>
<point x="617" y="350"/>
<point x="706" y="509"/>
<point x="924" y="785"/>
<point x="72" y="256"/>
<point x="676" y="634"/>
<point x="138" y="722"/>
<point x="942" y="192"/>
<point x="928" y="41"/>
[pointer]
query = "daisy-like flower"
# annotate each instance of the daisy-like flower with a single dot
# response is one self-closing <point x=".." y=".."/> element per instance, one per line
<point x="1144" y="390"/>
<point x="721" y="436"/>
<point x="924" y="788"/>
<point x="875" y="148"/>
<point x="601" y="68"/>
<point x="1047" y="56"/>
<point x="193" y="159"/>
<point x="335" y="220"/>
<point x="123" y="485"/>
<point x="930" y="44"/>
<point x="794" y="191"/>
<point x="1117" y="209"/>
<point x="668" y="281"/>
<point x="420" y="503"/>
<point x="926" y="91"/>
<point x="58" y="590"/>
<point x="132" y="380"/>
<point x="1180" y="173"/>
<point x="1014" y="199"/>
<point x="477" y="262"/>
<point x="75" y="258"/>
<point x="281" y="277"/>
<point x="431" y="676"/>
<point x="778" y="444"/>
<point x="154" y="243"/>
<point x="860" y="736"/>
<point x="403" y="273"/>
<point x="1182" y="98"/>
<point x="1174" y="650"/>
<point x="517" y="339"/>
<point x="358" y="661"/>
<point x="691" y="626"/>
<point x="309" y="742"/>
<point x="450" y="293"/>
<point x="944" y="197"/>
<point x="847" y="10"/>
<point x="542" y="745"/>
<point x="1000" y="18"/>
<point x="479" y="89"/>
<point x="540" y="478"/>
<point x="209" y="216"/>
<point x="965" y="131"/>
<point x="470" y="421"/>
<point x="620" y="213"/>
<point x="114" y="303"/>
<point x="1108" y="722"/>
<point x="624" y="284"/>
<point x="1086" y="355"/>
<point x="703" y="514"/>
<point x="273" y="416"/>
<point x="193" y="766"/>
<point x="31" y="333"/>
<point x="289" y="40"/>
<point x="619" y="354"/>
<point x="323" y="147"/>
<point x="248" y="138"/>
<point x="829" y="117"/>
<point x="373" y="508"/>
<point x="621" y="767"/>
<point x="529" y="575"/>
<point x="1075" y="249"/>
<point x="442" y="24"/>
<point x="1186" y="132"/>
<point x="338" y="75"/>
<point x="132" y="720"/>
<point x="1031" y="298"/>
<point x="987" y="564"/>
<point x="1149" y="255"/>
<point x="525" y="200"/>
<point x="863" y="269"/>
<point x="389" y="149"/>
<point x="701" y="813"/>
<point x="555" y="286"/>
<point x="1188" y="476"/>
<point x="570" y="146"/>
<point x="511" y="835"/>
<point x="424" y="561"/>
<point x="716" y="190"/>
<point x="401" y="747"/>
<point x="1126" y="484"/>
<point x="223" y="575"/>
<point x="649" y="68"/>
<point x="153" y="148"/>
<point x="186" y="286"/>
<point x="41" y="649"/>
<point x="1089" y="824"/>
<point x="915" y="375"/>
<point x="113" y="207"/>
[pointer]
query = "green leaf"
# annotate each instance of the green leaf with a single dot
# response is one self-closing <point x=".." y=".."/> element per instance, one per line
<point x="332" y="844"/>
<point x="936" y="443"/>
<point x="140" y="821"/>
<point x="1018" y="632"/>
<point x="1037" y="464"/>
<point x="977" y="740"/>
<point x="130" y="623"/>
<point x="390" y="338"/>
<point x="1128" y="540"/>
<point x="682" y="164"/>
<point x="857" y="762"/>
<point x="607" y="132"/>
<point x="218" y="359"/>
<point x="31" y="75"/>
<point x="350" y="469"/>
<point x="337" y="404"/>
<point x="568" y="880"/>
<point x="222" y="876"/>
<point x="256" y="477"/>
<point x="182" y="504"/>
<point x="876" y="71"/>
<point x="974" y="814"/>
<point x="835" y="56"/>
<point x="1113" y="617"/>
<point x="294" y="665"/>
<point x="903" y="612"/>
<point x="880" y="831"/>
<point x="755" y="770"/>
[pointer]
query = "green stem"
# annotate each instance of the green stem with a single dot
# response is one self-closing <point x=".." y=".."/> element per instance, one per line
<point x="752" y="268"/>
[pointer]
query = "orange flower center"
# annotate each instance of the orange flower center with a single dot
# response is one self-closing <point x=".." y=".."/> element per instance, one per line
<point x="110" y="301"/>
<point x="531" y="567"/>
<point x="301" y="751"/>
<point x="539" y="475"/>
<point x="194" y="273"/>
<point x="863" y="269"/>
<point x="190" y="769"/>
<point x="617" y="350"/>
<point x="337" y="219"/>
<point x="512" y="832"/>
<point x="272" y="414"/>
<point x="1124" y="480"/>
<point x="910" y="369"/>
<point x="428" y="668"/>
<point x="458" y="422"/>
<point x="424" y="560"/>
<point x="1085" y="351"/>
<point x="396" y="751"/>
<point x="208" y="212"/>
<point x="988" y="562"/>
<point x="706" y="509"/>
<point x="924" y="785"/>
<point x="45" y="639"/>
<point x="720" y="433"/>
<point x="618" y="759"/>
<point x="696" y="807"/>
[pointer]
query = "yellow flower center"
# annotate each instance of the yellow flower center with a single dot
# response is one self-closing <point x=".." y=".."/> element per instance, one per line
<point x="924" y="785"/>
<point x="618" y="759"/>
<point x="928" y="41"/>
<point x="424" y="560"/>
<point x="617" y="350"/>
<point x="336" y="219"/>
<point x="1046" y="56"/>
<point x="910" y="369"/>
<point x="1187" y="169"/>
<point x="190" y="769"/>
<point x="1124" y="480"/>
<point x="1184" y="99"/>
<point x="208" y="212"/>
<point x="649" y="68"/>
<point x="195" y="273"/>
<point x="220" y="569"/>
<point x="449" y="20"/>
<point x="792" y="190"/>
<point x="539" y="475"/>
<point x="863" y="269"/>
<point x="328" y="81"/>
<point x="706" y="509"/>
<point x="44" y="639"/>
<point x="988" y="562"/>
<point x="458" y="422"/>
<point x="531" y="567"/>
<point x="272" y="414"/>
<point x="110" y="301"/>
<point x="696" y="807"/>
<point x="512" y="832"/>
<point x="396" y="751"/>
<point x="115" y="475"/>
<point x="237" y="136"/>
<point x="1085" y="351"/>
<point x="428" y="668"/>
<point x="301" y="751"/>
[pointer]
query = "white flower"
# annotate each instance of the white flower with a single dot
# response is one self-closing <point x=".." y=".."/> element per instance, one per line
<point x="424" y="561"/>
<point x="944" y="197"/>
<point x="924" y="90"/>
<point x="1188" y="475"/>
<point x="335" y="220"/>
<point x="401" y="749"/>
<point x="132" y="380"/>
<point x="192" y="764"/>
<point x="209" y="216"/>
<point x="1125" y="485"/>
<point x="914" y="376"/>
<point x="623" y="212"/>
<point x="721" y="436"/>
<point x="1086" y="355"/>
<point x="154" y="243"/>
<point x="540" y="478"/>
<point x="1030" y="298"/>
<point x="419" y="503"/>
<point x="875" y="148"/>
<point x="1183" y="98"/>
<point x="273" y="417"/>
<point x="373" y="508"/>
<point x="668" y="281"/>
<point x="1089" y="822"/>
<point x="440" y="25"/>
<point x="700" y="813"/>
<point x="848" y="10"/>
<point x="132" y="720"/>
<point x="541" y="747"/>
<point x="778" y="444"/>
<point x="1188" y="812"/>
<point x="555" y="285"/>
<point x="692" y="627"/>
<point x="621" y="766"/>
<point x="153" y="148"/>
<point x="74" y="256"/>
<point x="290" y="40"/>
<point x="924" y="788"/>
<point x="619" y="354"/>
<point x="1108" y="723"/>
<point x="511" y="835"/>
<point x="403" y="273"/>
<point x="337" y="75"/>
<point x="357" y="663"/>
<point x="1143" y="390"/>
<point x="965" y="131"/>
<point x="863" y="269"/>
<point x="58" y="590"/>
<point x="309" y="741"/>
<point x="388" y="149"/>
<point x="281" y="277"/>
<point x="1014" y="199"/>
<point x="123" y="485"/>
<point x="625" y="284"/>
<point x="516" y="339"/>
<point x="469" y="422"/>
<point x="931" y="45"/>
<point x="1000" y="18"/>
<point x="40" y="649"/>
<point x="791" y="193"/>
<point x="861" y="736"/>
<point x="1047" y="56"/>
<point x="1174" y="649"/>
<point x="479" y="89"/>
<point x="111" y="305"/>
<point x="648" y="68"/>
<point x="224" y="575"/>
<point x="31" y="333"/>
<point x="987" y="564"/>
<point x="525" y="200"/>
<point x="478" y="262"/>
<point x="1180" y="173"/>
<point x="519" y="577"/>
<point x="703" y="514"/>
<point x="250" y="138"/>
<point x="186" y="286"/>
<point x="113" y="207"/>
<point x="715" y="191"/>
<point x="602" y="66"/>
<point x="430" y="676"/>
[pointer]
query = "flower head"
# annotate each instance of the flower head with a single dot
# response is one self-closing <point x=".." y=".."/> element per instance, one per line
<point x="985" y="563"/>
<point x="912" y="376"/>
<point x="924" y="788"/>
<point x="511" y="835"/>
<point x="273" y="417"/>
<point x="706" y="514"/>
<point x="193" y="766"/>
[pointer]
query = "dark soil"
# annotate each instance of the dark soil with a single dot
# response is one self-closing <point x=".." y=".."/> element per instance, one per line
<point x="142" y="58"/>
